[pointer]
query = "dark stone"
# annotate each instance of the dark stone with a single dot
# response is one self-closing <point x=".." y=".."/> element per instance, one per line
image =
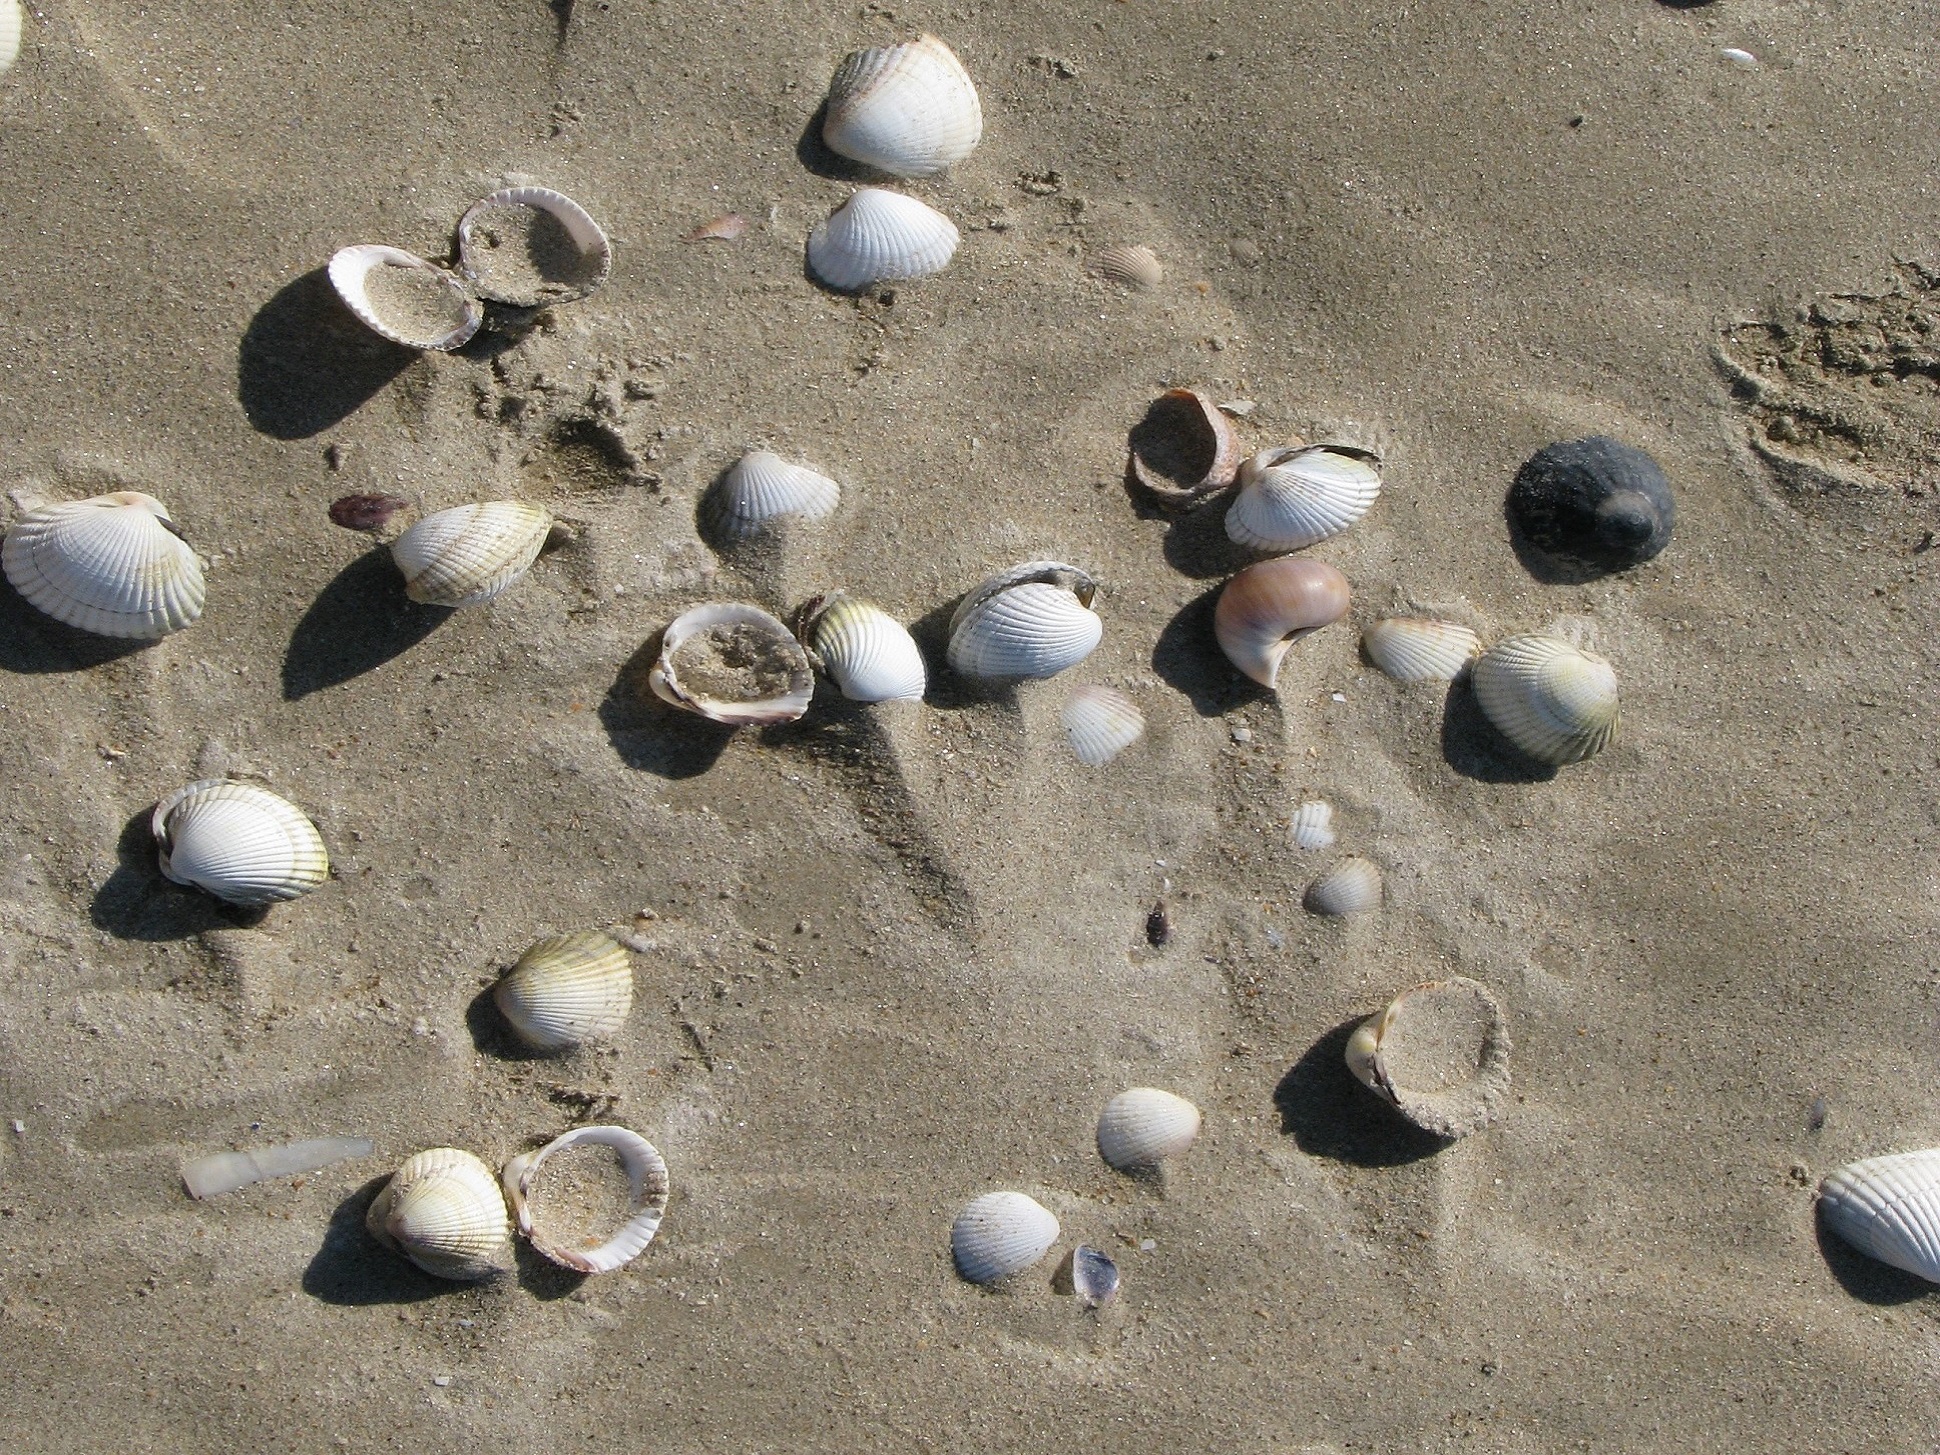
<point x="1594" y="500"/>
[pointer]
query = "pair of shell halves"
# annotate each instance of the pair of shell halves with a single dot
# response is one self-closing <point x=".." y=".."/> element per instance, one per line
<point x="734" y="663"/>
<point x="1553" y="700"/>
<point x="879" y="236"/>
<point x="238" y="842"/>
<point x="1296" y="495"/>
<point x="114" y="565"/>
<point x="567" y="990"/>
<point x="469" y="554"/>
<point x="1438" y="1054"/>
<point x="1270" y="605"/>
<point x="866" y="652"/>
<point x="1031" y="621"/>
<point x="909" y="109"/>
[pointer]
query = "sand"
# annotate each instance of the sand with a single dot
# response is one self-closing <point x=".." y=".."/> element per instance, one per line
<point x="899" y="955"/>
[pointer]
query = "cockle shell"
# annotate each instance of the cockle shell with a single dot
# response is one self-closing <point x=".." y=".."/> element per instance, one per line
<point x="532" y="246"/>
<point x="880" y="237"/>
<point x="470" y="553"/>
<point x="733" y="663"/>
<point x="999" y="1234"/>
<point x="1271" y="605"/>
<point x="567" y="990"/>
<point x="1313" y="826"/>
<point x="1889" y="1209"/>
<point x="1183" y="450"/>
<point x="1439" y="1054"/>
<point x="1419" y="649"/>
<point x="1553" y="700"/>
<point x="114" y="565"/>
<point x="1295" y="495"/>
<point x="1142" y="1127"/>
<point x="1596" y="500"/>
<point x="761" y="490"/>
<point x="1133" y="265"/>
<point x="1033" y="620"/>
<point x="1352" y="886"/>
<point x="9" y="32"/>
<point x="867" y="653"/>
<point x="238" y="842"/>
<point x="907" y="109"/>
<point x="648" y="1186"/>
<point x="404" y="298"/>
<point x="1100" y="724"/>
<point x="443" y="1210"/>
<point x="1094" y="1277"/>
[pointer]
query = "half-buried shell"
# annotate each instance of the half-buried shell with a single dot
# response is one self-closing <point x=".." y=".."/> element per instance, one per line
<point x="1133" y="265"/>
<point x="604" y="1249"/>
<point x="1438" y="1054"/>
<point x="1033" y="620"/>
<point x="1889" y="1209"/>
<point x="1142" y="1127"/>
<point x="906" y="109"/>
<point x="1270" y="605"/>
<point x="404" y="298"/>
<point x="470" y="553"/>
<point x="1352" y="886"/>
<point x="1100" y="723"/>
<point x="1313" y="825"/>
<point x="114" y="565"/>
<point x="866" y="652"/>
<point x="1182" y="450"/>
<point x="567" y="990"/>
<point x="761" y="490"/>
<point x="238" y="842"/>
<point x="999" y="1234"/>
<point x="532" y="246"/>
<point x="880" y="237"/>
<point x="734" y="663"/>
<point x="1596" y="500"/>
<point x="443" y="1210"/>
<point x="1419" y="649"/>
<point x="1553" y="700"/>
<point x="1295" y="495"/>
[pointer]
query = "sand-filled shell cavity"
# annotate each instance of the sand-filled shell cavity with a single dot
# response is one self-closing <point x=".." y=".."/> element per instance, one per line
<point x="1889" y="1208"/>
<point x="591" y="1200"/>
<point x="531" y="246"/>
<point x="1439" y="1054"/>
<point x="114" y="565"/>
<point x="734" y="663"/>
<point x="404" y="298"/>
<point x="1595" y="500"/>
<point x="1183" y="450"/>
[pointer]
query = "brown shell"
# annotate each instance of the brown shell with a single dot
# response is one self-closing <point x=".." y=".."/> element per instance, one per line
<point x="1271" y="605"/>
<point x="1182" y="450"/>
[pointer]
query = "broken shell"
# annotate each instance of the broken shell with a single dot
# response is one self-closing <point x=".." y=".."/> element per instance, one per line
<point x="1033" y="620"/>
<point x="443" y="1210"/>
<point x="647" y="1185"/>
<point x="114" y="565"/>
<point x="1418" y="649"/>
<point x="1271" y="605"/>
<point x="1101" y="724"/>
<point x="1142" y="1127"/>
<point x="1352" y="886"/>
<point x="1313" y="826"/>
<point x="879" y="237"/>
<point x="365" y="512"/>
<point x="532" y="246"/>
<point x="907" y="109"/>
<point x="470" y="553"/>
<point x="733" y="663"/>
<point x="1889" y="1209"/>
<point x="238" y="842"/>
<point x="1596" y="500"/>
<point x="222" y="1172"/>
<point x="9" y="32"/>
<point x="1134" y="266"/>
<point x="567" y="990"/>
<point x="761" y="490"/>
<point x="1183" y="450"/>
<point x="867" y="653"/>
<point x="404" y="298"/>
<point x="1439" y="1054"/>
<point x="1094" y="1277"/>
<point x="1553" y="700"/>
<point x="999" y="1234"/>
<point x="1295" y="495"/>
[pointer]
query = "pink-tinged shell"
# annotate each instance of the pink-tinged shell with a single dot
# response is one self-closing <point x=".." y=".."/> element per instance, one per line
<point x="1271" y="605"/>
<point x="1183" y="450"/>
<point x="761" y="658"/>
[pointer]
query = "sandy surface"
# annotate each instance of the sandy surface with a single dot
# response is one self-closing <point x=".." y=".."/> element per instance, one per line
<point x="899" y="956"/>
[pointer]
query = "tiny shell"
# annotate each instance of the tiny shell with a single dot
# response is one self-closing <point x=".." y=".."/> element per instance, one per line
<point x="1135" y="266"/>
<point x="1183" y="450"/>
<point x="9" y="32"/>
<point x="1100" y="724"/>
<point x="532" y="246"/>
<point x="1094" y="1277"/>
<point x="567" y="990"/>
<point x="1595" y="500"/>
<point x="1033" y="620"/>
<point x="114" y="565"/>
<point x="365" y="512"/>
<point x="1554" y="701"/>
<point x="1295" y="495"/>
<point x="1142" y="1127"/>
<point x="734" y="663"/>
<point x="1439" y="1054"/>
<point x="1313" y="826"/>
<point x="222" y="1172"/>
<point x="999" y="1234"/>
<point x="443" y="1210"/>
<point x="238" y="842"/>
<point x="469" y="554"/>
<point x="725" y="228"/>
<point x="910" y="110"/>
<point x="648" y="1186"/>
<point x="880" y="237"/>
<point x="1889" y="1209"/>
<point x="404" y="298"/>
<point x="1270" y="605"/>
<point x="1743" y="60"/>
<point x="867" y="653"/>
<point x="1419" y="649"/>
<point x="1352" y="886"/>
<point x="762" y="490"/>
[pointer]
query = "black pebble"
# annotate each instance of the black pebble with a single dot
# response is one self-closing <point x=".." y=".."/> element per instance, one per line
<point x="1596" y="500"/>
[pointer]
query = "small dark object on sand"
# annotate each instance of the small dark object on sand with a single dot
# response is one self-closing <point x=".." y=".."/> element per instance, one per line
<point x="1158" y="926"/>
<point x="1596" y="500"/>
<point x="365" y="512"/>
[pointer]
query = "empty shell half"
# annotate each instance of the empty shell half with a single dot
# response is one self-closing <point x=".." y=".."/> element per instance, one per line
<point x="866" y="652"/>
<point x="1295" y="495"/>
<point x="1313" y="825"/>
<point x="404" y="298"/>
<point x="1889" y="1209"/>
<point x="1142" y="1127"/>
<point x="1270" y="605"/>
<point x="567" y="990"/>
<point x="443" y="1210"/>
<point x="905" y="109"/>
<point x="238" y="842"/>
<point x="1133" y="265"/>
<point x="1439" y="1054"/>
<point x="1100" y="724"/>
<point x="1182" y="450"/>
<point x="579" y="1238"/>
<point x="1552" y="699"/>
<point x="1352" y="886"/>
<point x="734" y="663"/>
<point x="1033" y="620"/>
<point x="880" y="237"/>
<point x="470" y="553"/>
<point x="761" y="490"/>
<point x="1419" y="649"/>
<point x="114" y="565"/>
<point x="532" y="246"/>
<point x="999" y="1234"/>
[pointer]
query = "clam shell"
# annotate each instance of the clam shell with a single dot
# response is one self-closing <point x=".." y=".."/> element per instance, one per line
<point x="238" y="842"/>
<point x="1100" y="724"/>
<point x="1889" y="1209"/>
<point x="1270" y="605"/>
<point x="114" y="565"/>
<point x="1033" y="620"/>
<point x="1183" y="450"/>
<point x="1133" y="265"/>
<point x="1419" y="649"/>
<point x="404" y="298"/>
<point x="1142" y="1127"/>
<point x="906" y="109"/>
<point x="1439" y="1054"/>
<point x="532" y="246"/>
<point x="999" y="1234"/>
<point x="1313" y="826"/>
<point x="1094" y="1277"/>
<point x="879" y="237"/>
<point x="761" y="489"/>
<point x="1595" y="500"/>
<point x="470" y="553"/>
<point x="9" y="32"/>
<point x="1553" y="700"/>
<point x="733" y="663"/>
<point x="443" y="1210"/>
<point x="567" y="990"/>
<point x="866" y="652"/>
<point x="1351" y="886"/>
<point x="1296" y="495"/>
<point x="648" y="1186"/>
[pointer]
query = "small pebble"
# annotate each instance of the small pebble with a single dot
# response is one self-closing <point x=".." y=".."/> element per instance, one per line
<point x="1340" y="697"/>
<point x="1743" y="60"/>
<point x="19" y="1127"/>
<point x="1242" y="735"/>
<point x="1148" y="1245"/>
<point x="442" y="1381"/>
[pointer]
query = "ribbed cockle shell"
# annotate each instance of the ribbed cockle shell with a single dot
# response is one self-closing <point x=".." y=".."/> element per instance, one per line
<point x="866" y="652"/>
<point x="1352" y="886"/>
<point x="761" y="490"/>
<point x="1295" y="495"/>
<point x="734" y="663"/>
<point x="404" y="298"/>
<point x="470" y="553"/>
<point x="1033" y="620"/>
<point x="1134" y="265"/>
<point x="647" y="1188"/>
<point x="532" y="246"/>
<point x="1313" y="825"/>
<point x="238" y="842"/>
<point x="1001" y="1233"/>
<point x="114" y="565"/>
<point x="880" y="237"/>
<point x="443" y="1210"/>
<point x="1142" y="1127"/>
<point x="1889" y="1208"/>
<point x="1271" y="605"/>
<point x="907" y="109"/>
<point x="567" y="990"/>
<point x="1553" y="700"/>
<point x="1419" y="649"/>
<point x="1100" y="723"/>
<point x="1439" y="1054"/>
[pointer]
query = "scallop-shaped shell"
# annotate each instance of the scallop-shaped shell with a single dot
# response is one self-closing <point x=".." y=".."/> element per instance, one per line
<point x="567" y="990"/>
<point x="906" y="109"/>
<point x="1313" y="825"/>
<point x="1271" y="605"/>
<point x="1439" y="1054"/>
<point x="1100" y="724"/>
<point x="532" y="246"/>
<point x="1420" y="649"/>
<point x="443" y="1210"/>
<point x="1296" y="495"/>
<point x="867" y="653"/>
<point x="1183" y="450"/>
<point x="1553" y="700"/>
<point x="470" y="553"/>
<point x="1133" y="265"/>
<point x="1596" y="500"/>
<point x="114" y="565"/>
<point x="761" y="489"/>
<point x="1889" y="1209"/>
<point x="879" y="237"/>
<point x="9" y="32"/>
<point x="1142" y="1127"/>
<point x="648" y="1185"/>
<point x="1094" y="1277"/>
<point x="1352" y="886"/>
<point x="734" y="663"/>
<point x="238" y="842"/>
<point x="1001" y="1233"/>
<point x="404" y="298"/>
<point x="1033" y="620"/>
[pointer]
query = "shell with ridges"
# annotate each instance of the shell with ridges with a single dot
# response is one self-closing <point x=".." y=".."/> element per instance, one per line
<point x="470" y="553"/>
<point x="910" y="110"/>
<point x="420" y="305"/>
<point x="1295" y="495"/>
<point x="567" y="990"/>
<point x="532" y="246"/>
<point x="1313" y="825"/>
<point x="1270" y="605"/>
<point x="648" y="1186"/>
<point x="1142" y="1127"/>
<point x="999" y="1234"/>
<point x="733" y="663"/>
<point x="113" y="565"/>
<point x="1554" y="701"/>
<point x="879" y="237"/>
<point x="238" y="842"/>
<point x="1183" y="450"/>
<point x="761" y="490"/>
<point x="1438" y="1054"/>
<point x="1889" y="1209"/>
<point x="1419" y="649"/>
<point x="866" y="652"/>
<point x="443" y="1210"/>
<point x="1352" y="886"/>
<point x="1033" y="620"/>
<point x="1133" y="265"/>
<point x="1100" y="723"/>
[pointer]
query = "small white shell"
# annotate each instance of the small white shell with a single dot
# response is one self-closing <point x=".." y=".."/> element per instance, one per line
<point x="1889" y="1209"/>
<point x="1419" y="649"/>
<point x="907" y="109"/>
<point x="1553" y="700"/>
<point x="1101" y="724"/>
<point x="879" y="237"/>
<point x="238" y="842"/>
<point x="1352" y="886"/>
<point x="567" y="990"/>
<point x="1439" y="1054"/>
<point x="1742" y="59"/>
<point x="1135" y="266"/>
<point x="9" y="32"/>
<point x="1033" y="620"/>
<point x="113" y="565"/>
<point x="1142" y="1127"/>
<point x="443" y="1210"/>
<point x="470" y="553"/>
<point x="761" y="489"/>
<point x="648" y="1186"/>
<point x="999" y="1234"/>
<point x="733" y="663"/>
<point x="1313" y="826"/>
<point x="1094" y="1277"/>
<point x="867" y="653"/>
<point x="404" y="298"/>
<point x="531" y="246"/>
<point x="1296" y="495"/>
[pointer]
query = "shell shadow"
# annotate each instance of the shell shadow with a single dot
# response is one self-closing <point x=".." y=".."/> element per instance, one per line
<point x="32" y="641"/>
<point x="1546" y="566"/>
<point x="137" y="903"/>
<point x="1188" y="659"/>
<point x="542" y="1278"/>
<point x="358" y="622"/>
<point x="1866" y="1279"/>
<point x="1330" y="1114"/>
<point x="652" y="736"/>
<point x="817" y="156"/>
<point x="306" y="363"/>
<point x="350" y="1270"/>
<point x="1198" y="546"/>
<point x="1476" y="750"/>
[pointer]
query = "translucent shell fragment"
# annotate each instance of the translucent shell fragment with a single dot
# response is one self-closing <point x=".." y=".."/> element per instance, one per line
<point x="606" y="1249"/>
<point x="1438" y="1054"/>
<point x="443" y="1210"/>
<point x="1142" y="1127"/>
<point x="1270" y="605"/>
<point x="1296" y="495"/>
<point x="880" y="237"/>
<point x="999" y="1234"/>
<point x="404" y="298"/>
<point x="866" y="652"/>
<point x="734" y="663"/>
<point x="567" y="990"/>
<point x="1313" y="825"/>
<point x="532" y="246"/>
<point x="238" y="842"/>
<point x="1553" y="700"/>
<point x="1352" y="886"/>
<point x="114" y="565"/>
<point x="1889" y="1208"/>
<point x="910" y="110"/>
<point x="1034" y="620"/>
<point x="469" y="554"/>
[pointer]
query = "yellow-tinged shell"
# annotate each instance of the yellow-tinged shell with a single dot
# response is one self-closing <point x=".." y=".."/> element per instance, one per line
<point x="567" y="990"/>
<point x="1553" y="700"/>
<point x="470" y="553"/>
<point x="443" y="1210"/>
<point x="238" y="842"/>
<point x="1142" y="1127"/>
<point x="910" y="110"/>
<point x="1438" y="1054"/>
<point x="866" y="652"/>
<point x="114" y="565"/>
<point x="1420" y="649"/>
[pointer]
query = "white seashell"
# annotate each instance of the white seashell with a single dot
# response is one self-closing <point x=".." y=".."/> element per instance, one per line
<point x="1417" y="649"/>
<point x="1033" y="620"/>
<point x="1266" y="608"/>
<point x="567" y="990"/>
<point x="1142" y="1127"/>
<point x="999" y="1234"/>
<point x="1094" y="1277"/>
<point x="470" y="553"/>
<point x="1296" y="495"/>
<point x="222" y="1172"/>
<point x="1439" y="1054"/>
<point x="443" y="1210"/>
<point x="907" y="109"/>
<point x="1101" y="724"/>
<point x="1135" y="266"/>
<point x="761" y="490"/>
<point x="647" y="1183"/>
<point x="114" y="565"/>
<point x="1313" y="826"/>
<point x="733" y="663"/>
<point x="879" y="237"/>
<point x="404" y="298"/>
<point x="867" y="653"/>
<point x="1742" y="59"/>
<point x="1553" y="700"/>
<point x="1889" y="1209"/>
<point x="238" y="842"/>
<point x="1351" y="886"/>
<point x="9" y="32"/>
<point x="531" y="246"/>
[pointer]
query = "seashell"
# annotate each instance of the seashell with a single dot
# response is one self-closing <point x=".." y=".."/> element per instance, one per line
<point x="114" y="565"/>
<point x="1101" y="724"/>
<point x="238" y="842"/>
<point x="532" y="246"/>
<point x="222" y="1172"/>
<point x="442" y="1209"/>
<point x="1595" y="500"/>
<point x="725" y="228"/>
<point x="1313" y="826"/>
<point x="1183" y="450"/>
<point x="9" y="32"/>
<point x="1094" y="1277"/>
<point x="999" y="1234"/>
<point x="1889" y="1209"/>
<point x="1742" y="59"/>
<point x="365" y="512"/>
<point x="1135" y="266"/>
<point x="878" y="237"/>
<point x="405" y="299"/>
<point x="906" y="109"/>
<point x="1033" y="620"/>
<point x="1351" y="886"/>
<point x="567" y="990"/>
<point x="867" y="653"/>
<point x="1418" y="649"/>
<point x="733" y="663"/>
<point x="1439" y="1054"/>
<point x="647" y="1187"/>
<point x="1555" y="701"/>
<point x="470" y="553"/>
<point x="1295" y="495"/>
<point x="1140" y="1128"/>
<point x="1270" y="605"/>
<point x="761" y="489"/>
